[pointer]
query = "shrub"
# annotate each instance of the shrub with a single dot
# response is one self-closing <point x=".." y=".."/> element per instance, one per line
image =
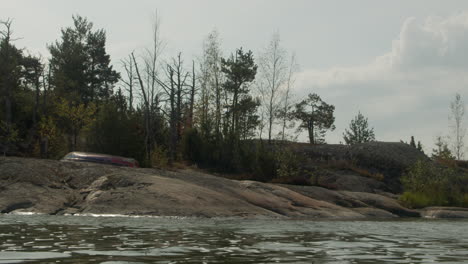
<point x="287" y="164"/>
<point x="289" y="169"/>
<point x="159" y="157"/>
<point x="415" y="200"/>
<point x="430" y="184"/>
<point x="351" y="166"/>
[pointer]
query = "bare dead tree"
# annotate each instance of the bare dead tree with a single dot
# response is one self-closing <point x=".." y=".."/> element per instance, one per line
<point x="180" y="83"/>
<point x="170" y="92"/>
<point x="204" y="99"/>
<point x="129" y="79"/>
<point x="192" y="96"/>
<point x="146" y="110"/>
<point x="175" y="92"/>
<point x="149" y="84"/>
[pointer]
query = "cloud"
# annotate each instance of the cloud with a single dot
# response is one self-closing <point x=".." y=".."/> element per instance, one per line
<point x="405" y="91"/>
<point x="436" y="42"/>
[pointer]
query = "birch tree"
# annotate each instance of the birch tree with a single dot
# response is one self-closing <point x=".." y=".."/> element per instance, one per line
<point x="274" y="72"/>
<point x="211" y="91"/>
<point x="456" y="118"/>
<point x="285" y="111"/>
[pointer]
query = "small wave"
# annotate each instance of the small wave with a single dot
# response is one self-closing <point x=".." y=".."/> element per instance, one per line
<point x="130" y="216"/>
<point x="24" y="213"/>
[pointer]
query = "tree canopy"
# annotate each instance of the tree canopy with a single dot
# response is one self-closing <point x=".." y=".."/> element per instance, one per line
<point x="359" y="131"/>
<point x="316" y="117"/>
<point x="80" y="65"/>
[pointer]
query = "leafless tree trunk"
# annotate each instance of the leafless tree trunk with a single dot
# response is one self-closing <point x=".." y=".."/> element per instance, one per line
<point x="149" y="84"/>
<point x="204" y="100"/>
<point x="192" y="96"/>
<point x="287" y="103"/>
<point x="44" y="140"/>
<point x="146" y="109"/>
<point x="173" y="116"/>
<point x="457" y="113"/>
<point x="273" y="72"/>
<point x="260" y="92"/>
<point x="129" y="79"/>
<point x="181" y="78"/>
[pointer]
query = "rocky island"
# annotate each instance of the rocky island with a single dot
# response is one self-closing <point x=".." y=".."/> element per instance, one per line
<point x="56" y="187"/>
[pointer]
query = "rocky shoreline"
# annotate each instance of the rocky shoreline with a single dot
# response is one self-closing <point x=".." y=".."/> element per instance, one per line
<point x="54" y="187"/>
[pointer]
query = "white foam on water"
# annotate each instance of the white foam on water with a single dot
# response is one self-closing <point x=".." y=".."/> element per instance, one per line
<point x="24" y="213"/>
<point x="130" y="216"/>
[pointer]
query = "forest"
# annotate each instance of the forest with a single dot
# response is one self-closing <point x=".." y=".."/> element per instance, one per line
<point x="216" y="111"/>
<point x="219" y="112"/>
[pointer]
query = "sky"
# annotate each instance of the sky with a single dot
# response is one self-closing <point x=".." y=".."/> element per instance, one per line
<point x="400" y="63"/>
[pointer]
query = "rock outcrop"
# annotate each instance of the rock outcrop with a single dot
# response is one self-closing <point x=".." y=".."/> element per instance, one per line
<point x="54" y="187"/>
<point x="388" y="159"/>
<point x="444" y="212"/>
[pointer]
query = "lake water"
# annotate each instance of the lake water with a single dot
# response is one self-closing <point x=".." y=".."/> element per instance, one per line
<point x="112" y="240"/>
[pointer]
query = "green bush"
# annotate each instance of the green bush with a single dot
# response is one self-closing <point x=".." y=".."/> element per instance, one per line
<point x="415" y="200"/>
<point x="192" y="146"/>
<point x="431" y="184"/>
<point x="159" y="157"/>
<point x="287" y="164"/>
<point x="116" y="132"/>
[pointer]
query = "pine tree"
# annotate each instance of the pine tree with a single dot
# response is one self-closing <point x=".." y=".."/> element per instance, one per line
<point x="412" y="142"/>
<point x="420" y="147"/>
<point x="442" y="150"/>
<point x="316" y="116"/>
<point x="80" y="64"/>
<point x="240" y="70"/>
<point x="359" y="131"/>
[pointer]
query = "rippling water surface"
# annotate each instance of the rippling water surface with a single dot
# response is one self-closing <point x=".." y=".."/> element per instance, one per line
<point x="112" y="240"/>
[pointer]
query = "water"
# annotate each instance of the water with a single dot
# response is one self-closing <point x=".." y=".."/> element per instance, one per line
<point x="113" y="240"/>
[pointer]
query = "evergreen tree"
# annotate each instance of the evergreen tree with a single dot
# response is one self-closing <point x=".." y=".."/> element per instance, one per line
<point x="80" y="64"/>
<point x="442" y="150"/>
<point x="412" y="142"/>
<point x="420" y="147"/>
<point x="316" y="116"/>
<point x="10" y="71"/>
<point x="359" y="131"/>
<point x="19" y="93"/>
<point x="114" y="130"/>
<point x="240" y="70"/>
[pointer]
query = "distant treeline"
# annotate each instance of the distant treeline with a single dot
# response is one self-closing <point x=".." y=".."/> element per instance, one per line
<point x="158" y="110"/>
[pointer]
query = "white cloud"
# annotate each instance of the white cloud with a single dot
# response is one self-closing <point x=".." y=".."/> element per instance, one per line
<point x="405" y="91"/>
<point x="436" y="42"/>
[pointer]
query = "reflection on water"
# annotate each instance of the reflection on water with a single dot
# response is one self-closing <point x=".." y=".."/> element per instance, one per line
<point x="112" y="240"/>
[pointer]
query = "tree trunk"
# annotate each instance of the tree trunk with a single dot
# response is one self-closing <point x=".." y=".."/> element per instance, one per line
<point x="173" y="120"/>
<point x="311" y="132"/>
<point x="192" y="96"/>
<point x="148" y="143"/>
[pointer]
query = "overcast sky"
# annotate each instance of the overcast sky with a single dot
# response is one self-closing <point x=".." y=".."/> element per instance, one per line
<point x="399" y="62"/>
